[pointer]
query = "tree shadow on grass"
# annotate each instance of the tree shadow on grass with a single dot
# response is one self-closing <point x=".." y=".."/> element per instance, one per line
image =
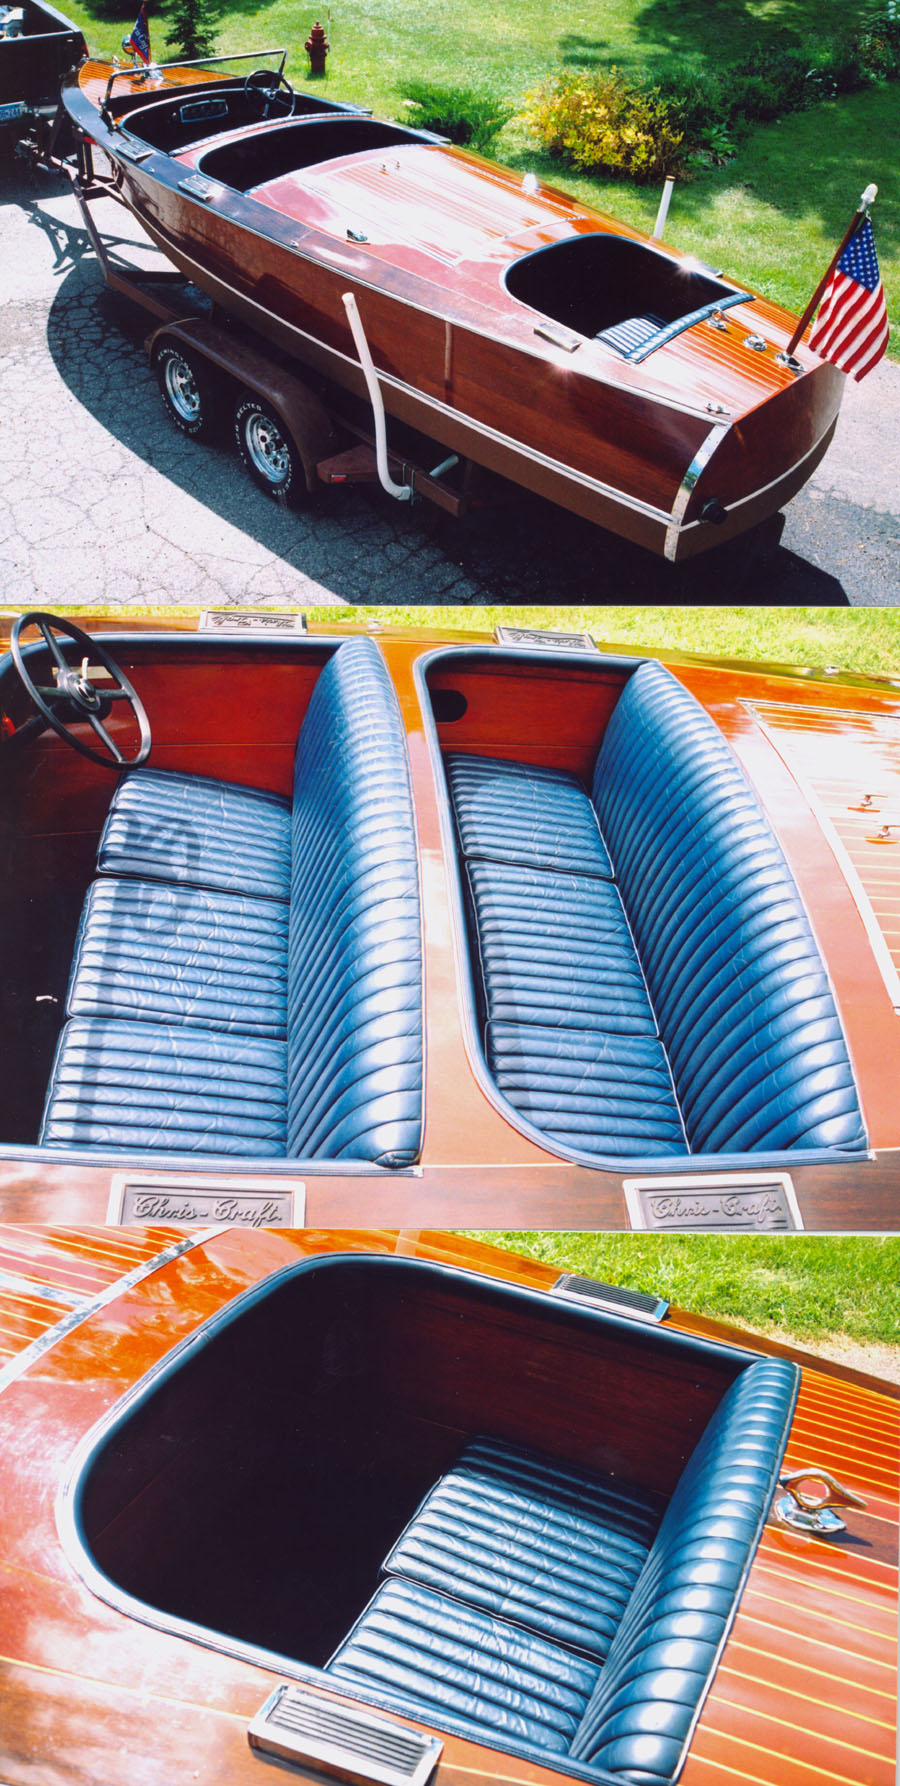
<point x="716" y="30"/>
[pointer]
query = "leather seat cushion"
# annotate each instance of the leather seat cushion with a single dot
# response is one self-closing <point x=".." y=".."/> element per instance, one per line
<point x="540" y="1544"/>
<point x="182" y="955"/>
<point x="123" y="1086"/>
<point x="587" y="1089"/>
<point x="453" y="1666"/>
<point x="667" y="1644"/>
<point x="172" y="827"/>
<point x="556" y="949"/>
<point x="516" y="812"/>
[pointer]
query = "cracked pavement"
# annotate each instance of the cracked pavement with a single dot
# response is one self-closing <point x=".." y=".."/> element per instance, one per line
<point x="103" y="501"/>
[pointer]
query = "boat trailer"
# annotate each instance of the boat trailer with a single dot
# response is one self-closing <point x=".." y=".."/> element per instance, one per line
<point x="293" y="434"/>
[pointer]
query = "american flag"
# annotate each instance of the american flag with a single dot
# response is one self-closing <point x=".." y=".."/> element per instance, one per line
<point x="138" y="39"/>
<point x="851" y="328"/>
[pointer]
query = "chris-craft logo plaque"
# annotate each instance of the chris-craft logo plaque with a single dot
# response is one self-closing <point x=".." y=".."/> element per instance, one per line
<point x="739" y="1203"/>
<point x="186" y="1202"/>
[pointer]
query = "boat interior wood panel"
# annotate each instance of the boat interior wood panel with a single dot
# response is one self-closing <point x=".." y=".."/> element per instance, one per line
<point x="393" y="1368"/>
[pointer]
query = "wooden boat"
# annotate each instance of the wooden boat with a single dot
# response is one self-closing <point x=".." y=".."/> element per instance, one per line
<point x="515" y="327"/>
<point x="38" y="47"/>
<point x="540" y="936"/>
<point x="223" y="1453"/>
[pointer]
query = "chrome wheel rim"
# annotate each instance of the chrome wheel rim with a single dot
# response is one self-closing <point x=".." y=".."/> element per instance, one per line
<point x="268" y="449"/>
<point x="181" y="389"/>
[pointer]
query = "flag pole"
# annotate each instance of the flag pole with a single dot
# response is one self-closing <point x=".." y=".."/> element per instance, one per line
<point x="862" y="210"/>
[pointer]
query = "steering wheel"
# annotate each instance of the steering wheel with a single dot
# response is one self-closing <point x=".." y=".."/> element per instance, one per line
<point x="266" y="84"/>
<point x="74" y="689"/>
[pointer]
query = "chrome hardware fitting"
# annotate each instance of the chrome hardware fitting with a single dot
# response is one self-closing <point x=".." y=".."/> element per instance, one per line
<point x="801" y="1510"/>
<point x="717" y="320"/>
<point x="756" y="342"/>
<point x="789" y="360"/>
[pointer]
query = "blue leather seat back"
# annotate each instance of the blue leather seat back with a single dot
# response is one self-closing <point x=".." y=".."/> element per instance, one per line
<point x="743" y="1003"/>
<point x="355" y="1021"/>
<point x="662" y="1657"/>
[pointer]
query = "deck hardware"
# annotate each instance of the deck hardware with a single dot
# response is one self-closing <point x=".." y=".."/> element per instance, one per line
<point x="196" y="187"/>
<point x="717" y="320"/>
<point x="134" y="151"/>
<point x="802" y="1510"/>
<point x="313" y="1732"/>
<point x="756" y="342"/>
<point x="888" y="832"/>
<point x="637" y="1304"/>
<point x="356" y="235"/>
<point x="530" y="184"/>
<point x="717" y="409"/>
<point x="867" y="803"/>
<point x="789" y="360"/>
<point x="550" y="331"/>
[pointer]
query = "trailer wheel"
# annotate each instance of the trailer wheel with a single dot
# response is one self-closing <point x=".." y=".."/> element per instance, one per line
<point x="188" y="390"/>
<point x="267" y="450"/>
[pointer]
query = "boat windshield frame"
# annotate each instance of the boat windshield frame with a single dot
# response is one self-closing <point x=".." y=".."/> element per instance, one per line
<point x="127" y="71"/>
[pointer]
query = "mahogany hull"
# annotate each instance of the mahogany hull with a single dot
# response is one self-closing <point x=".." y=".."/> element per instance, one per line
<point x="640" y="450"/>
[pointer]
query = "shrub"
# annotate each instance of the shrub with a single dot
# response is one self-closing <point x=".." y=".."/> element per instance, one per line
<point x="603" y="120"/>
<point x="193" y="25"/>
<point x="466" y="116"/>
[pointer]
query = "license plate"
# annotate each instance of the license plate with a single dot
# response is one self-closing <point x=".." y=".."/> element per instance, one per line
<point x="17" y="109"/>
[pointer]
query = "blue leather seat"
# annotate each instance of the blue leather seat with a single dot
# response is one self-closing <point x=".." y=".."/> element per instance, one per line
<point x="444" y="1662"/>
<point x="178" y="954"/>
<point x="516" y="812"/>
<point x="534" y="1542"/>
<point x="447" y="1661"/>
<point x="127" y="1087"/>
<point x="700" y="954"/>
<point x="330" y="971"/>
<point x="201" y="833"/>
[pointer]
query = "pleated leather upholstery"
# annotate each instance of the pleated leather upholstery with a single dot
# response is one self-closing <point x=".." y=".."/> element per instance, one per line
<point x="666" y="1648"/>
<point x="581" y="1088"/>
<point x="541" y="1544"/>
<point x="515" y="812"/>
<point x="355" y="1021"/>
<point x="133" y="1086"/>
<point x="334" y="980"/>
<point x="556" y="949"/>
<point x="436" y="1659"/>
<point x="170" y="827"/>
<point x="735" y="978"/>
<point x="185" y="955"/>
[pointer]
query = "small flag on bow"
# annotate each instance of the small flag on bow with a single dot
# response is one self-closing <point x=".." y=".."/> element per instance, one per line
<point x="851" y="328"/>
<point x="137" y="43"/>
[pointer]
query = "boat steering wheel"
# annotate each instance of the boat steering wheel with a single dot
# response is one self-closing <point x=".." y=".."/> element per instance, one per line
<point x="74" y="695"/>
<point x="267" y="86"/>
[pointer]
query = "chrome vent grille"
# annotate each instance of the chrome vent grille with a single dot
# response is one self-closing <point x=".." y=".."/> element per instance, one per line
<point x="353" y="1745"/>
<point x="611" y="1296"/>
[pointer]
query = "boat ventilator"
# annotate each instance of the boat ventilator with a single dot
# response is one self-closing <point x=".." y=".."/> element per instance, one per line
<point x="307" y="1730"/>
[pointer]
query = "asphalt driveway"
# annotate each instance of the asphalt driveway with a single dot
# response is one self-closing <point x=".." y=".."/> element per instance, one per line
<point x="101" y="500"/>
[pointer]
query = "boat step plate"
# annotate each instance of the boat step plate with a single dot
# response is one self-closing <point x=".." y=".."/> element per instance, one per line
<point x="714" y="1203"/>
<point x="301" y="1727"/>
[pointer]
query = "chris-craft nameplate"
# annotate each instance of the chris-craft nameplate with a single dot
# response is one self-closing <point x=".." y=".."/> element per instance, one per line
<point x="188" y="1202"/>
<point x="726" y="1203"/>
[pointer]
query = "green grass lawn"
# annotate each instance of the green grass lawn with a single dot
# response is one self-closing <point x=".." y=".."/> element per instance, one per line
<point x="812" y="1287"/>
<point x="772" y="217"/>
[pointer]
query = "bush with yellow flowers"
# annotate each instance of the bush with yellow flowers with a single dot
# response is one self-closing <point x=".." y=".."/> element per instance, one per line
<point x="601" y="120"/>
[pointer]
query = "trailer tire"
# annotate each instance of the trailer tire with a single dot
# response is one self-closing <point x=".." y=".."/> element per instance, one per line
<point x="268" y="451"/>
<point x="189" y="390"/>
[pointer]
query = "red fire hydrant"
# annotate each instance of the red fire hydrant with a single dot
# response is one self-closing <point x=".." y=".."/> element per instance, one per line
<point x="316" y="47"/>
